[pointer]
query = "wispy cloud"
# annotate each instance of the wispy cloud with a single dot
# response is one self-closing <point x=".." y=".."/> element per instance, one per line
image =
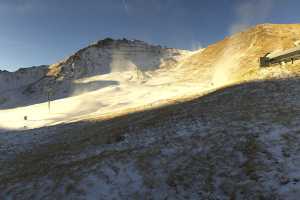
<point x="145" y="6"/>
<point x="250" y="12"/>
<point x="125" y="5"/>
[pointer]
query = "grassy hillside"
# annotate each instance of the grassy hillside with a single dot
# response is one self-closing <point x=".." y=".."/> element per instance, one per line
<point x="235" y="58"/>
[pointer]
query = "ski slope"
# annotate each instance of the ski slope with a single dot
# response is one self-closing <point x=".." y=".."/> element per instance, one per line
<point x="134" y="90"/>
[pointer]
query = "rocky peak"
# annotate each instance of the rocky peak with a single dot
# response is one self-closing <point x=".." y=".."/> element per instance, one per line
<point x="109" y="55"/>
<point x="109" y="42"/>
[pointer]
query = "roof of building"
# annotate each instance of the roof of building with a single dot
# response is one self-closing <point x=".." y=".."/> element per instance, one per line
<point x="277" y="54"/>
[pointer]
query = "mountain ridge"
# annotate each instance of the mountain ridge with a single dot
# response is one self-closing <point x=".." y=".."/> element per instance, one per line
<point x="102" y="57"/>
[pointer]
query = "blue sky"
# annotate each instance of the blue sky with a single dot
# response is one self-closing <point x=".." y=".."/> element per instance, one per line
<point x="35" y="32"/>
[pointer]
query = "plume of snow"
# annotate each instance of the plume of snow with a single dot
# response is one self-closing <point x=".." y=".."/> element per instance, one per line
<point x="125" y="5"/>
<point x="196" y="46"/>
<point x="249" y="13"/>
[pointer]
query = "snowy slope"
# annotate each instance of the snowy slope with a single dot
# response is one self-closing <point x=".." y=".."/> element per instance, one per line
<point x="163" y="129"/>
<point x="111" y="76"/>
<point x="123" y="93"/>
<point x="21" y="78"/>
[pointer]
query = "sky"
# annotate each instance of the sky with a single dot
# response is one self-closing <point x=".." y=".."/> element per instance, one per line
<point x="37" y="32"/>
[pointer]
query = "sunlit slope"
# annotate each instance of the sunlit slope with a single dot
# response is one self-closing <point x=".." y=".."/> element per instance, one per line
<point x="236" y="58"/>
<point x="124" y="92"/>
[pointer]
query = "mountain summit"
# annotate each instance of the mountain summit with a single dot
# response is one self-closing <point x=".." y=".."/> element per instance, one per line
<point x="110" y="55"/>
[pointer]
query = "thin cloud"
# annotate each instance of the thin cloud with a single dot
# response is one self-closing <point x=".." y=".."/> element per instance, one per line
<point x="144" y="6"/>
<point x="125" y="6"/>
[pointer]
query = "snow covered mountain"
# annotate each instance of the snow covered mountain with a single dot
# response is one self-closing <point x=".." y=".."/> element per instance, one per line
<point x="208" y="124"/>
<point x="110" y="55"/>
<point x="32" y="85"/>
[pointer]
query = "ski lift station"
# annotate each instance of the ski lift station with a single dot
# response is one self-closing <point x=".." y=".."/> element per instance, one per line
<point x="289" y="55"/>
